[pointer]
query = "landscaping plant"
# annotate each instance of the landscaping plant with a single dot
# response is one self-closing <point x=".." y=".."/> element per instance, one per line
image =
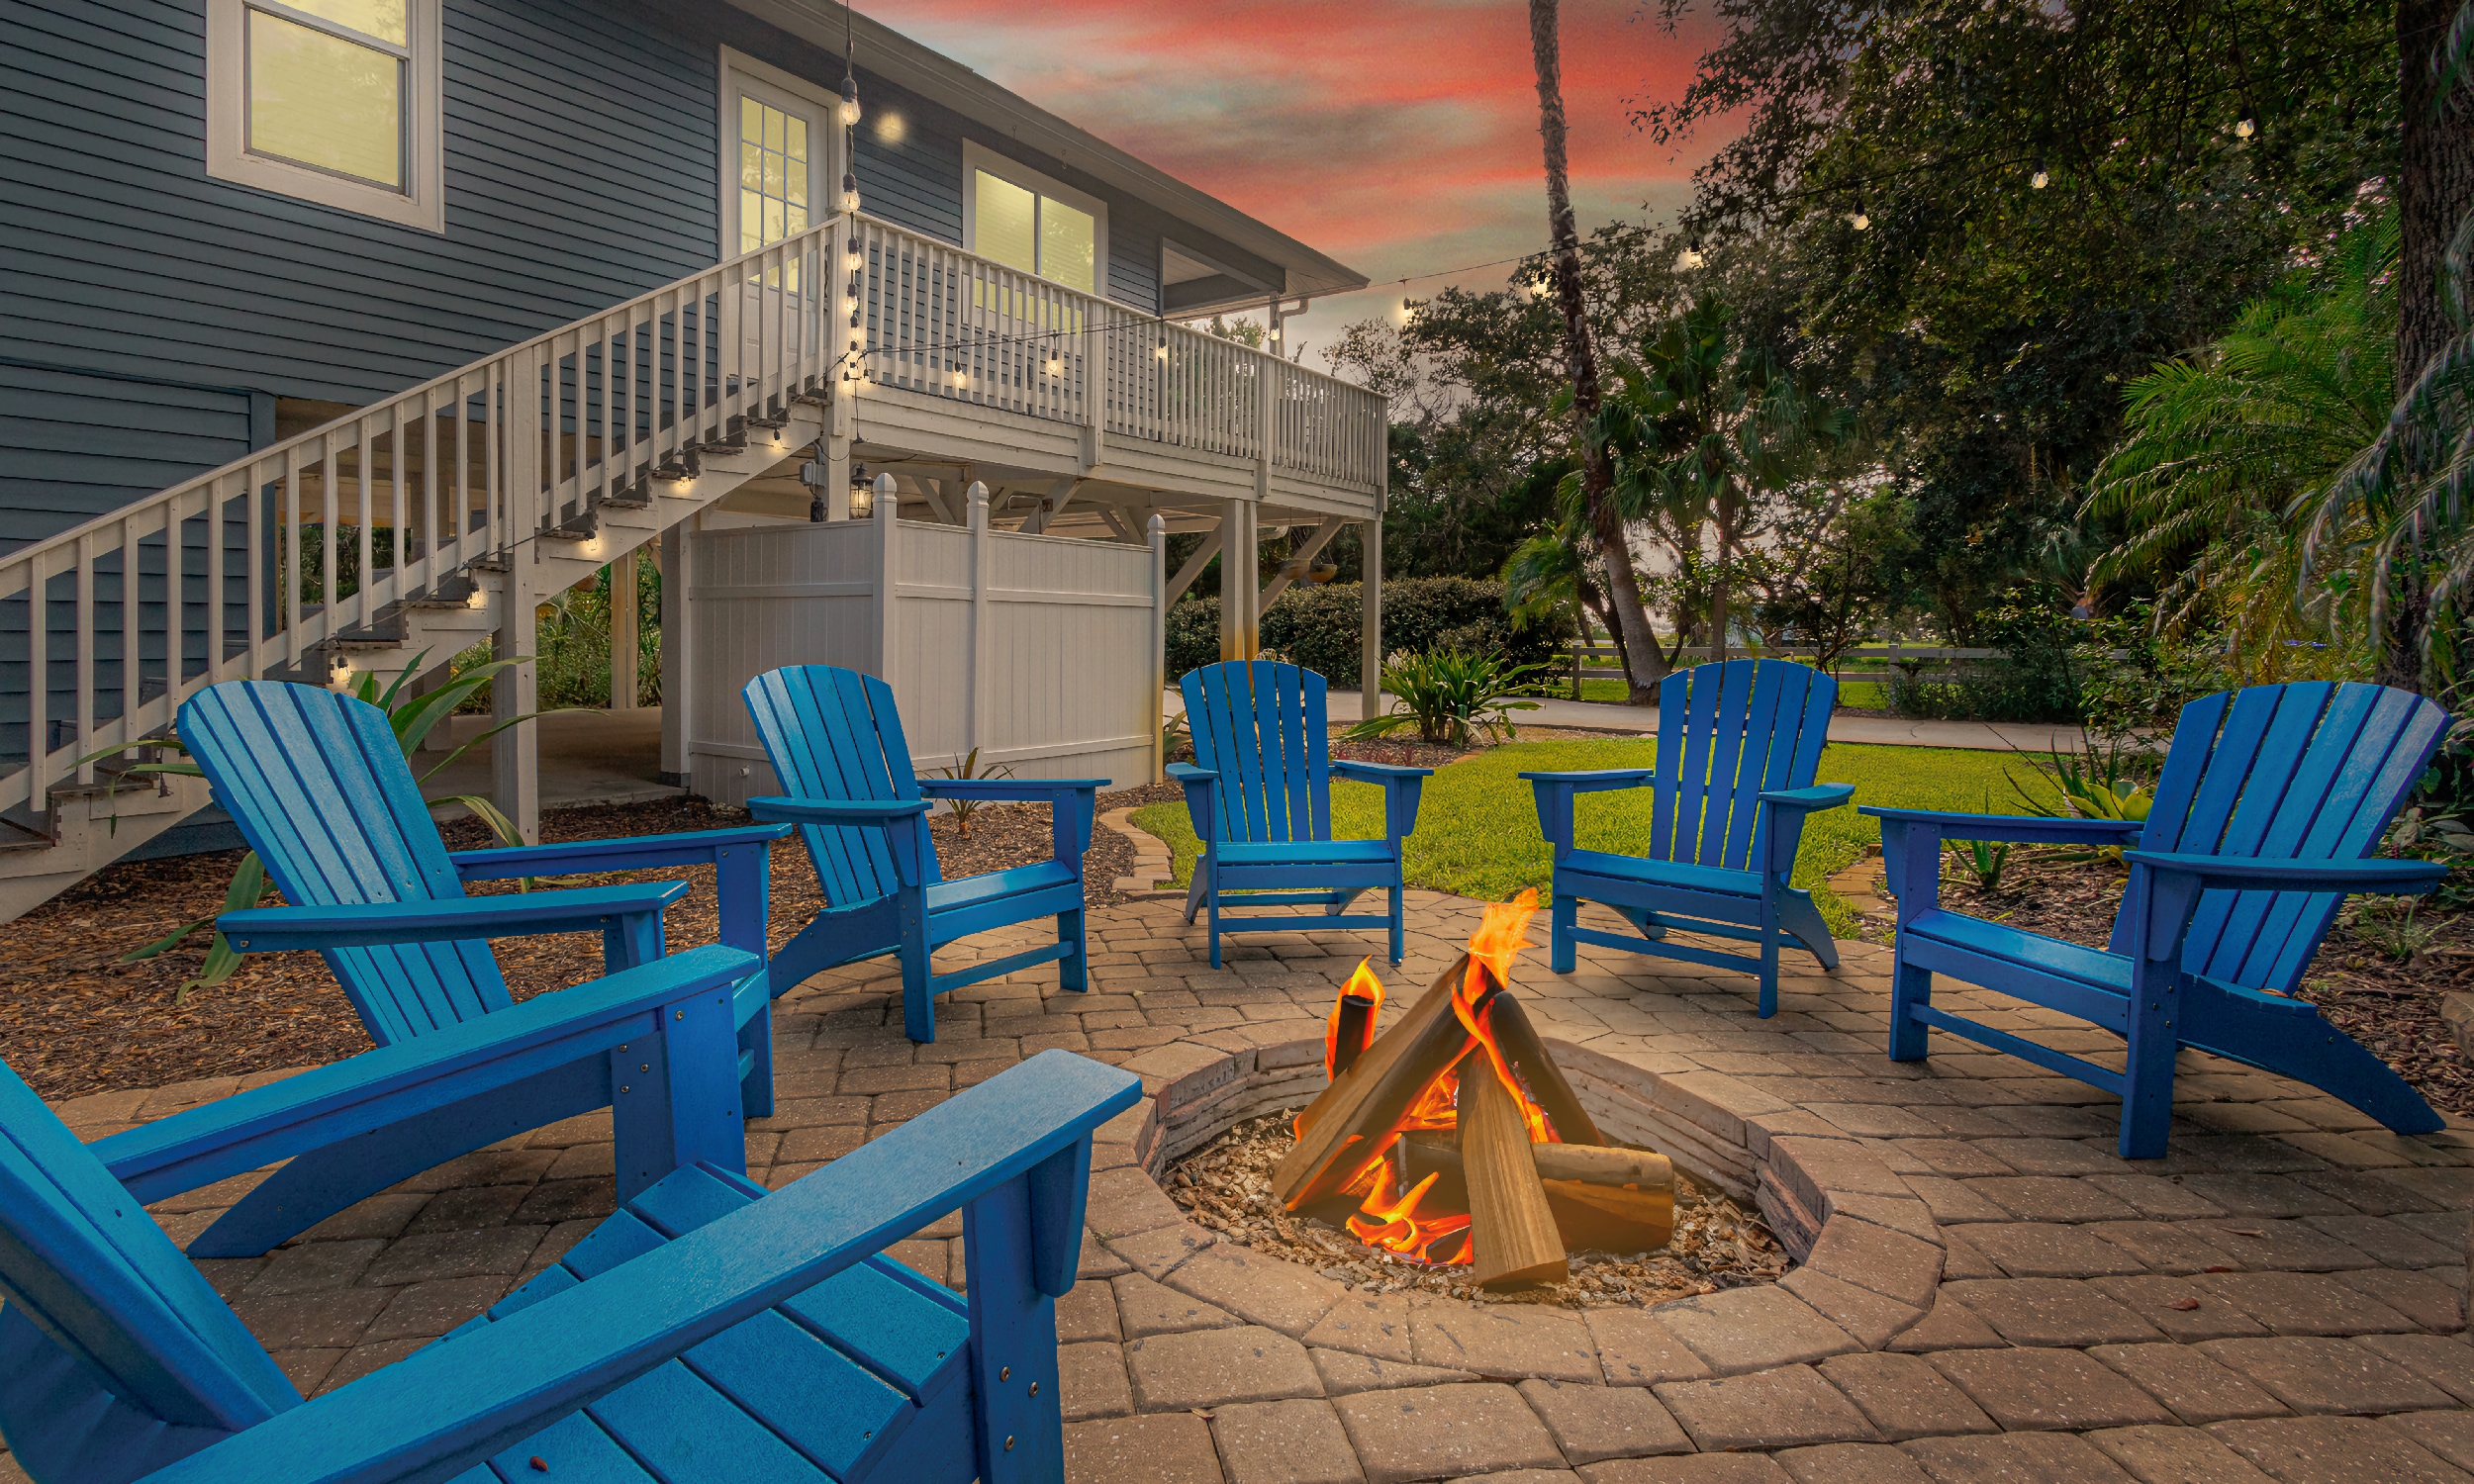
<point x="1452" y="697"/>
<point x="964" y="808"/>
<point x="411" y="718"/>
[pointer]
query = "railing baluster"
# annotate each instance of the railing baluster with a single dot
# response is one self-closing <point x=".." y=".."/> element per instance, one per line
<point x="85" y="654"/>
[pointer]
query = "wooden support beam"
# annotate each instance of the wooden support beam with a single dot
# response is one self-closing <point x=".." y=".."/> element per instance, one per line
<point x="1511" y="1228"/>
<point x="1195" y="564"/>
<point x="1295" y="566"/>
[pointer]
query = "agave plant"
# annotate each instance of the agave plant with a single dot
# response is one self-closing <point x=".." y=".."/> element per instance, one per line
<point x="1451" y="696"/>
<point x="2092" y="783"/>
<point x="413" y="718"/>
<point x="964" y="808"/>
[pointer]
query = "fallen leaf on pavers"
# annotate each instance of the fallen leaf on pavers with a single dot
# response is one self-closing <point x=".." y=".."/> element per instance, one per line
<point x="2184" y="1304"/>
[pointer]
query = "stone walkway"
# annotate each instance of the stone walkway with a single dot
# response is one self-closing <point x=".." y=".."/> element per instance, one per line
<point x="1988" y="1292"/>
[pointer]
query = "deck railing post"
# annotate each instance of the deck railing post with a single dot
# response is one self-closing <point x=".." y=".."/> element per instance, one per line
<point x="888" y="505"/>
<point x="1157" y="533"/>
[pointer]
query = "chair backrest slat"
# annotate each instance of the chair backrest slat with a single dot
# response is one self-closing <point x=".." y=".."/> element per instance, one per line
<point x="84" y="1266"/>
<point x="320" y="787"/>
<point x="2310" y="771"/>
<point x="1726" y="734"/>
<point x="1261" y="726"/>
<point x="836" y="734"/>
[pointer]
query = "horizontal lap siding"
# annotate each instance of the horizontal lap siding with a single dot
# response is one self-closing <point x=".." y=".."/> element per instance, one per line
<point x="72" y="446"/>
<point x="579" y="171"/>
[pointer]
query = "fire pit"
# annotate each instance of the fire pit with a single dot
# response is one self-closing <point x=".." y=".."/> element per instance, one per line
<point x="1452" y="1140"/>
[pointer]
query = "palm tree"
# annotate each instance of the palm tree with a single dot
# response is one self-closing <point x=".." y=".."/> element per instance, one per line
<point x="1597" y="481"/>
<point x="1706" y="427"/>
<point x="2222" y="445"/>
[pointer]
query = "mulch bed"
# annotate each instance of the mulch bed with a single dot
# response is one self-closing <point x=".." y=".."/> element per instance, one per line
<point x="75" y="1020"/>
<point x="1226" y="1185"/>
<point x="2361" y="986"/>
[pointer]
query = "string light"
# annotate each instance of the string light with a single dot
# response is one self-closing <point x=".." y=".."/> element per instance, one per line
<point x="850" y="192"/>
<point x="2040" y="179"/>
<point x="1861" y="221"/>
<point x="2246" y="126"/>
<point x="850" y="99"/>
<point x="1690" y="257"/>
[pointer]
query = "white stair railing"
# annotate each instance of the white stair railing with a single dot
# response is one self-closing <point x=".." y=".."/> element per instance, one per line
<point x="247" y="570"/>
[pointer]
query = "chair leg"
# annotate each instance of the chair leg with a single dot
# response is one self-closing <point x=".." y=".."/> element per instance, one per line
<point x="1073" y="970"/>
<point x="756" y="1040"/>
<point x="1196" y="889"/>
<point x="1563" y="954"/>
<point x="1211" y="904"/>
<point x="1769" y="956"/>
<point x="1909" y="987"/>
<point x="2147" y="1085"/>
<point x="1398" y="933"/>
<point x="1798" y="915"/>
<point x="918" y="990"/>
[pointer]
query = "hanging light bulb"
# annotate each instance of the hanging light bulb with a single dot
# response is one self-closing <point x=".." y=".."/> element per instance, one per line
<point x="1056" y="365"/>
<point x="850" y="100"/>
<point x="2040" y="179"/>
<point x="856" y="250"/>
<point x="1690" y="257"/>
<point x="1861" y="221"/>
<point x="2246" y="126"/>
<point x="850" y="192"/>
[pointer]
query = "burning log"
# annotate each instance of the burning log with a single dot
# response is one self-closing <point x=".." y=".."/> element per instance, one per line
<point x="1354" y="1120"/>
<point x="1512" y="1232"/>
<point x="1528" y="1056"/>
<point x="1351" y="1027"/>
<point x="1615" y="1200"/>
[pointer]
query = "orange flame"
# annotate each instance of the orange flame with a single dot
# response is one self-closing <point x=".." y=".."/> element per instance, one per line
<point x="1499" y="938"/>
<point x="1364" y="986"/>
<point x="1389" y="1220"/>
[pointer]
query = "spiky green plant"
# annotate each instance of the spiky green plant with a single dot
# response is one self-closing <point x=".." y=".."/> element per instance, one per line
<point x="1451" y="696"/>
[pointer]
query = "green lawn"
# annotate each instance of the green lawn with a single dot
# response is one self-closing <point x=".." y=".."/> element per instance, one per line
<point x="1867" y="693"/>
<point x="1478" y="827"/>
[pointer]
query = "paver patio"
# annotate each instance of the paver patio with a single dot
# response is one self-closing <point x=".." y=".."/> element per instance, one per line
<point x="1987" y="1293"/>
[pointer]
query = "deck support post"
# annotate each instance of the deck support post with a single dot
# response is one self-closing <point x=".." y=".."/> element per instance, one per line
<point x="624" y="645"/>
<point x="1158" y="533"/>
<point x="1371" y="609"/>
<point x="1241" y="633"/>
<point x="674" y="656"/>
<point x="975" y="729"/>
<point x="515" y="753"/>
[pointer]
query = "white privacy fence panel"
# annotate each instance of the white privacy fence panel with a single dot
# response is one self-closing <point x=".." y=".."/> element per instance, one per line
<point x="1036" y="650"/>
<point x="245" y="571"/>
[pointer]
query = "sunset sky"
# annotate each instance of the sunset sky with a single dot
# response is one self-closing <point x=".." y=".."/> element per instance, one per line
<point x="1398" y="136"/>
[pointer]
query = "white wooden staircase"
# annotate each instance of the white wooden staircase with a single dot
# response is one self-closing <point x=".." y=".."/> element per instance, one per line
<point x="406" y="531"/>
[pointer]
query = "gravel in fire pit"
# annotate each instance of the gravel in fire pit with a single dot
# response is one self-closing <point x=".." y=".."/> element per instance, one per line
<point x="1226" y="1185"/>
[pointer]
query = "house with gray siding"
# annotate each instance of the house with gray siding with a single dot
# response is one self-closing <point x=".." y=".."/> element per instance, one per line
<point x="473" y="296"/>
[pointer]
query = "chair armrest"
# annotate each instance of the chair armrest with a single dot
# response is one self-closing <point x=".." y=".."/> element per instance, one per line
<point x="445" y="921"/>
<point x="1202" y="807"/>
<point x="636" y="853"/>
<point x="835" y="810"/>
<point x="247" y="1130"/>
<point x="2174" y="882"/>
<point x="1402" y="788"/>
<point x="2024" y="829"/>
<point x="1377" y="773"/>
<point x="1595" y="780"/>
<point x="1818" y="797"/>
<point x="457" y="1402"/>
<point x="1023" y="788"/>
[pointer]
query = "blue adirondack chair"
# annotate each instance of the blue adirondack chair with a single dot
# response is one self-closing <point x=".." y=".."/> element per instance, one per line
<point x="2269" y="799"/>
<point x="1737" y="744"/>
<point x="321" y="790"/>
<point x="1259" y="792"/>
<point x="708" y="1331"/>
<point x="834" y="738"/>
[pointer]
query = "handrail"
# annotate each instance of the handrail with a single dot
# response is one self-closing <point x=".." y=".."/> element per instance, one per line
<point x="246" y="570"/>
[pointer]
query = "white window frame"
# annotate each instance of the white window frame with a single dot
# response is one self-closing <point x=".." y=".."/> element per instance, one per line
<point x="422" y="203"/>
<point x="741" y="74"/>
<point x="977" y="157"/>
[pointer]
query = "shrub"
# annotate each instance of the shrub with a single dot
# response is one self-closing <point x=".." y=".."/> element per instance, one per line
<point x="1451" y="696"/>
<point x="1319" y="629"/>
<point x="2037" y="679"/>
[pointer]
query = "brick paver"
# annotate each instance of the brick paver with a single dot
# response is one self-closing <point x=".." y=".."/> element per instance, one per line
<point x="1990" y="1292"/>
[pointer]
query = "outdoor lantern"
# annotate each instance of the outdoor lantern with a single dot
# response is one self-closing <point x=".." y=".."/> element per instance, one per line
<point x="862" y="494"/>
<point x="813" y="476"/>
<point x="850" y="99"/>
